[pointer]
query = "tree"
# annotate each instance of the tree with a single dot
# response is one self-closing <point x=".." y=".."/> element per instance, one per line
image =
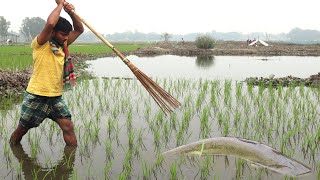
<point x="205" y="42"/>
<point x="299" y="35"/>
<point x="31" y="27"/>
<point x="166" y="37"/>
<point x="4" y="26"/>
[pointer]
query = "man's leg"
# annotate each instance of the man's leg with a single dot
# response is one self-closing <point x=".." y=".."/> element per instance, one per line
<point x="18" y="134"/>
<point x="68" y="131"/>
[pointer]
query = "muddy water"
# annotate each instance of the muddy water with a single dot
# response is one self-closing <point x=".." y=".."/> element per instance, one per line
<point x="106" y="112"/>
<point x="210" y="67"/>
<point x="103" y="123"/>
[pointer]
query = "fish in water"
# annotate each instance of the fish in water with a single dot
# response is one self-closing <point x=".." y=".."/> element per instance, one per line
<point x="252" y="151"/>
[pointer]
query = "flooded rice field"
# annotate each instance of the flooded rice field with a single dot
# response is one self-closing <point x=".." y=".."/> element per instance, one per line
<point x="122" y="133"/>
<point x="225" y="129"/>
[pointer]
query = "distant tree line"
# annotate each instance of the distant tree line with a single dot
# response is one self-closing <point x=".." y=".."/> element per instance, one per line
<point x="298" y="34"/>
<point x="31" y="27"/>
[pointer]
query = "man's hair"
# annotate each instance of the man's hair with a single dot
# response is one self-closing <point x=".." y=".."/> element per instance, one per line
<point x="63" y="25"/>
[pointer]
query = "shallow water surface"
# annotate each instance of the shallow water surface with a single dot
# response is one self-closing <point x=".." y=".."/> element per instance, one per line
<point x="122" y="133"/>
<point x="209" y="67"/>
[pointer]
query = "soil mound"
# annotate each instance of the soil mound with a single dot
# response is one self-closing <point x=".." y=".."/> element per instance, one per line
<point x="174" y="48"/>
<point x="13" y="82"/>
<point x="313" y="80"/>
<point x="236" y="48"/>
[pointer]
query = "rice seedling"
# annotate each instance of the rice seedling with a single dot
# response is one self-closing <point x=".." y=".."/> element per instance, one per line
<point x="16" y="62"/>
<point x="204" y="126"/>
<point x="166" y="132"/>
<point x="205" y="168"/>
<point x="146" y="171"/>
<point x="107" y="170"/>
<point x="127" y="166"/>
<point x="156" y="137"/>
<point x="173" y="171"/>
<point x="102" y="49"/>
<point x="285" y="118"/>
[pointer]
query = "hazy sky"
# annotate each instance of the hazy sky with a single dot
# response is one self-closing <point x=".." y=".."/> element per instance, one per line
<point x="178" y="16"/>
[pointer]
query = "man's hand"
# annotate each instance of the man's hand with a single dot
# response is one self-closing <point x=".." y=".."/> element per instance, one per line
<point x="69" y="8"/>
<point x="60" y="1"/>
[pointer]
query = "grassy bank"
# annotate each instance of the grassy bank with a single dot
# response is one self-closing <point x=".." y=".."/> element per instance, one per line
<point x="20" y="57"/>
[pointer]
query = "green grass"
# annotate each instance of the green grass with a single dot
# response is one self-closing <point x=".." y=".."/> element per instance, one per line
<point x="15" y="62"/>
<point x="20" y="57"/>
<point x="85" y="48"/>
<point x="101" y="48"/>
<point x="5" y="50"/>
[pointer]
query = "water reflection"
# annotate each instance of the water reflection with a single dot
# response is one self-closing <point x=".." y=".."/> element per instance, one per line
<point x="205" y="61"/>
<point x="33" y="170"/>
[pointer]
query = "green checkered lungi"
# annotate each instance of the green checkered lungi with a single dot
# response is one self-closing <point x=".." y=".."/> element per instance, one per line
<point x="35" y="109"/>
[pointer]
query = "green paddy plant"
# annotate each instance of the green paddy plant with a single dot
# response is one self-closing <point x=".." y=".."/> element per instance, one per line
<point x="95" y="131"/>
<point x="220" y="119"/>
<point x="227" y="91"/>
<point x="166" y="132"/>
<point x="205" y="167"/>
<point x="140" y="139"/>
<point x="116" y="111"/>
<point x="261" y="88"/>
<point x="158" y="163"/>
<point x="156" y="138"/>
<point x="173" y="121"/>
<point x="18" y="170"/>
<point x="129" y="119"/>
<point x="186" y="118"/>
<point x="147" y="111"/>
<point x="187" y="100"/>
<point x="48" y="174"/>
<point x="6" y="150"/>
<point x="125" y="104"/>
<point x="271" y="89"/>
<point x="107" y="170"/>
<point x="239" y="168"/>
<point x="173" y="171"/>
<point x="200" y="99"/>
<point x="35" y="173"/>
<point x="237" y="118"/>
<point x="250" y="88"/>
<point x="108" y="150"/>
<point x="159" y="119"/>
<point x="131" y="138"/>
<point x="182" y="135"/>
<point x="110" y="125"/>
<point x="35" y="145"/>
<point x="74" y="175"/>
<point x="226" y="128"/>
<point x="146" y="171"/>
<point x="127" y="166"/>
<point x="238" y="90"/>
<point x="204" y="123"/>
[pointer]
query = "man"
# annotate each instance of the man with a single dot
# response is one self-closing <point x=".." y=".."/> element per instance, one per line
<point x="43" y="96"/>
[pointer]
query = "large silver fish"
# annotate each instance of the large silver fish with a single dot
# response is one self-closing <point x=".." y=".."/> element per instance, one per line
<point x="252" y="151"/>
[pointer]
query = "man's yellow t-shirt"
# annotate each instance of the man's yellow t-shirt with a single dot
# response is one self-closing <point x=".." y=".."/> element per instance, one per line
<point x="47" y="75"/>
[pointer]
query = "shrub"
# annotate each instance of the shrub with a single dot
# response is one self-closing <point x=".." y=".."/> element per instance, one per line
<point x="205" y="42"/>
